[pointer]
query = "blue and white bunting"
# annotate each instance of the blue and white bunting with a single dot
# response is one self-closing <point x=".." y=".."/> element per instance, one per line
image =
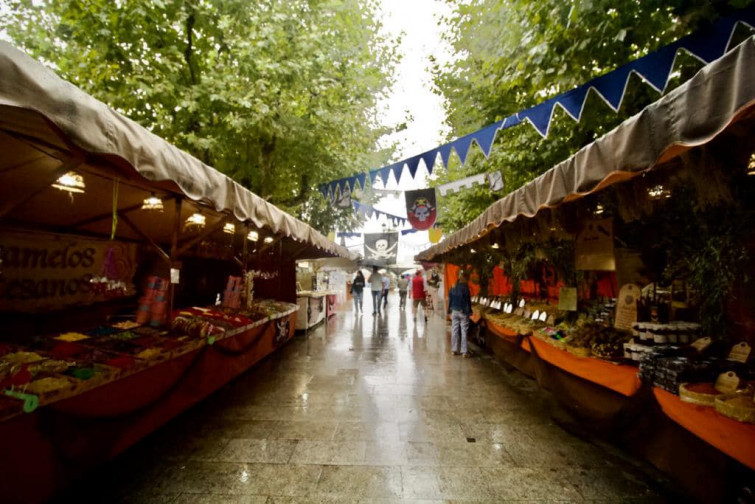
<point x="707" y="45"/>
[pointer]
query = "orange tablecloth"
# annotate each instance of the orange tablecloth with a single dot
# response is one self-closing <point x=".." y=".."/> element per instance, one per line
<point x="619" y="378"/>
<point x="735" y="439"/>
<point x="508" y="334"/>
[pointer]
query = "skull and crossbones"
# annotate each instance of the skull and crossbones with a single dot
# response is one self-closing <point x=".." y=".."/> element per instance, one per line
<point x="381" y="250"/>
<point x="421" y="209"/>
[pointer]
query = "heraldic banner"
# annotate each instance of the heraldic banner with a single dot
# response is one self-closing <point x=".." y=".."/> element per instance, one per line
<point x="380" y="249"/>
<point x="421" y="209"/>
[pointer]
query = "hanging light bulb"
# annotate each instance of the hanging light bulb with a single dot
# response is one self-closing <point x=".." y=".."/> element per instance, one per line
<point x="196" y="220"/>
<point x="495" y="246"/>
<point x="253" y="236"/>
<point x="751" y="165"/>
<point x="599" y="209"/>
<point x="153" y="203"/>
<point x="268" y="239"/>
<point x="229" y="228"/>
<point x="70" y="182"/>
<point x="658" y="192"/>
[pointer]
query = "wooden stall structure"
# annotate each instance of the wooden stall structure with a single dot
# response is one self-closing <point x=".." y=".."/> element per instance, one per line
<point x="135" y="280"/>
<point x="688" y="154"/>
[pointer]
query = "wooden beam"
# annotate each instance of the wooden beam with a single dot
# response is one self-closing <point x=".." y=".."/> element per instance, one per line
<point x="90" y="220"/>
<point x="24" y="163"/>
<point x="44" y="182"/>
<point x="201" y="236"/>
<point x="144" y="236"/>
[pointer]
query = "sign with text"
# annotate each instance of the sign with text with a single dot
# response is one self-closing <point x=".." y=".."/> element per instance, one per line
<point x="594" y="248"/>
<point x="45" y="271"/>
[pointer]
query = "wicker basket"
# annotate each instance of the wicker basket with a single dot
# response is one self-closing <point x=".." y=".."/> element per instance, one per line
<point x="579" y="351"/>
<point x="740" y="407"/>
<point x="699" y="398"/>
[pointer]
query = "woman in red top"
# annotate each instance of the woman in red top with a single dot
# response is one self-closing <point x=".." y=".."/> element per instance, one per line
<point x="418" y="293"/>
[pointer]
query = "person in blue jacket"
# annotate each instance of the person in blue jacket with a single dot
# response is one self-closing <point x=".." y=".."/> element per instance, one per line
<point x="460" y="308"/>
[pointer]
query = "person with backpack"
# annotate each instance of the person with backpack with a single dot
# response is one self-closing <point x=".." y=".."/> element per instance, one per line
<point x="357" y="287"/>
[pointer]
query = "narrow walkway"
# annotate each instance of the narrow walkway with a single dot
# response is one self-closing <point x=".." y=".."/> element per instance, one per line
<point x="367" y="410"/>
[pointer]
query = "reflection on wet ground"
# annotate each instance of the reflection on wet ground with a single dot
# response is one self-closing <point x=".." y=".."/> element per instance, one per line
<point x="367" y="409"/>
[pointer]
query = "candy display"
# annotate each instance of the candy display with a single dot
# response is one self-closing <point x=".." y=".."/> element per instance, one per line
<point x="56" y="366"/>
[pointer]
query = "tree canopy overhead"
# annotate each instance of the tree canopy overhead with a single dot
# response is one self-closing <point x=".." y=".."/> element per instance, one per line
<point x="278" y="95"/>
<point x="514" y="54"/>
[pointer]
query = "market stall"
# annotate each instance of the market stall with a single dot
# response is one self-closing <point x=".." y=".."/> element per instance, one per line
<point x="135" y="280"/>
<point x="617" y="279"/>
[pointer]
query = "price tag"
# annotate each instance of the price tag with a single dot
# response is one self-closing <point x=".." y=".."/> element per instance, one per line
<point x="740" y="352"/>
<point x="701" y="343"/>
<point x="519" y="312"/>
<point x="727" y="383"/>
<point x="527" y="314"/>
<point x="551" y="320"/>
<point x="536" y="315"/>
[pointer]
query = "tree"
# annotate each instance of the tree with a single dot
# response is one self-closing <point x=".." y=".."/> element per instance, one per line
<point x="278" y="95"/>
<point x="517" y="53"/>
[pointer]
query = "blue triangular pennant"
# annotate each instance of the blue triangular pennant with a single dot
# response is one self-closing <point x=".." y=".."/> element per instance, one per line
<point x="573" y="101"/>
<point x="486" y="136"/>
<point x="445" y="153"/>
<point x="656" y="70"/>
<point x="461" y="146"/>
<point x="540" y="115"/>
<point x="611" y="86"/>
<point x="361" y="178"/>
<point x="429" y="158"/>
<point x="413" y="164"/>
<point x="710" y="43"/>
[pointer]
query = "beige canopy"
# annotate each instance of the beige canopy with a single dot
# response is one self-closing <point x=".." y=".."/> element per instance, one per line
<point x="720" y="94"/>
<point x="48" y="126"/>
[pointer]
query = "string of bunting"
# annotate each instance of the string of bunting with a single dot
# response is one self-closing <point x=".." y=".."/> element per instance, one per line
<point x="707" y="44"/>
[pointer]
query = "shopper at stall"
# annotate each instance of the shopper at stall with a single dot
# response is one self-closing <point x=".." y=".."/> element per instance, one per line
<point x="460" y="308"/>
<point x="357" y="288"/>
<point x="386" y="287"/>
<point x="376" y="286"/>
<point x="403" y="285"/>
<point x="418" y="293"/>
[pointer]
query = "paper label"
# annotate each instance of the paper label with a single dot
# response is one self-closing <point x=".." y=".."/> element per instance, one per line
<point x="175" y="275"/>
<point x="626" y="306"/>
<point x="519" y="312"/>
<point x="567" y="298"/>
<point x="727" y="383"/>
<point x="527" y="314"/>
<point x="740" y="352"/>
<point x="551" y="320"/>
<point x="701" y="343"/>
<point x="594" y="248"/>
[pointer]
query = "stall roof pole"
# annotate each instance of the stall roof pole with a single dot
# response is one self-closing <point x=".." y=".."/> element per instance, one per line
<point x="173" y="252"/>
<point x="144" y="236"/>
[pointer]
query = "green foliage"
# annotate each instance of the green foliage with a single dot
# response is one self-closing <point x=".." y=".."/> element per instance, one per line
<point x="278" y="95"/>
<point x="517" y="53"/>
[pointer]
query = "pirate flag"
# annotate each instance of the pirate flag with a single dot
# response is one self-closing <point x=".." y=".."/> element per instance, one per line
<point x="421" y="209"/>
<point x="380" y="249"/>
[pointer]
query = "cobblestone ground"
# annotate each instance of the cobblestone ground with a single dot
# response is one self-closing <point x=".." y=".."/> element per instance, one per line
<point x="368" y="409"/>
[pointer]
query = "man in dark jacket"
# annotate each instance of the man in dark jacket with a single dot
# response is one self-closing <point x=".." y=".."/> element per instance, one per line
<point x="460" y="308"/>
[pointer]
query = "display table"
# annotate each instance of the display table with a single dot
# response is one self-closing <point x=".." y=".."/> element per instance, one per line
<point x="71" y="434"/>
<point x="312" y="308"/>
<point x="617" y="377"/>
<point x="736" y="439"/>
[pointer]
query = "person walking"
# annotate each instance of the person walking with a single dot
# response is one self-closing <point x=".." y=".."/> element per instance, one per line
<point x="460" y="308"/>
<point x="376" y="286"/>
<point x="386" y="287"/>
<point x="357" y="288"/>
<point x="418" y="293"/>
<point x="403" y="285"/>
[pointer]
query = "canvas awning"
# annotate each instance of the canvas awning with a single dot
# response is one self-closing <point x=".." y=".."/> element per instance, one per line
<point x="48" y="124"/>
<point x="719" y="95"/>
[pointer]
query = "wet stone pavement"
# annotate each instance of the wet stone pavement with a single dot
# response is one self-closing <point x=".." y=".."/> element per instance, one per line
<point x="368" y="409"/>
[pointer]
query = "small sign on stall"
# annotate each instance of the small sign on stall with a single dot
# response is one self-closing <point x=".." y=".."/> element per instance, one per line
<point x="175" y="275"/>
<point x="740" y="352"/>
<point x="594" y="248"/>
<point x="626" y="306"/>
<point x="701" y="344"/>
<point x="567" y="298"/>
<point x="727" y="383"/>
